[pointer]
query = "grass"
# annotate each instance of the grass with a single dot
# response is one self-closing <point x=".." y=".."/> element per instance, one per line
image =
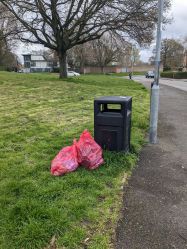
<point x="127" y="74"/>
<point x="39" y="114"/>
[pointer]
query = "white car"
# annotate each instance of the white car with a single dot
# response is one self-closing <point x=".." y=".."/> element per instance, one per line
<point x="72" y="73"/>
<point x="150" y="74"/>
<point x="20" y="71"/>
<point x="24" y="70"/>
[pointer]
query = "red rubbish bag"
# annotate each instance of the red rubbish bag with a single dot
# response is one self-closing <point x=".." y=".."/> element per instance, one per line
<point x="89" y="153"/>
<point x="65" y="161"/>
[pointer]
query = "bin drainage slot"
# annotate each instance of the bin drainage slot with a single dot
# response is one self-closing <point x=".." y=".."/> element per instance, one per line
<point x="110" y="108"/>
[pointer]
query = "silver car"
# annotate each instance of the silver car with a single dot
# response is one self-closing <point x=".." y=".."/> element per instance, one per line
<point x="150" y="74"/>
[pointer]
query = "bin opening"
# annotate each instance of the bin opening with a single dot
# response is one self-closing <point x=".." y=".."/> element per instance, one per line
<point x="110" y="108"/>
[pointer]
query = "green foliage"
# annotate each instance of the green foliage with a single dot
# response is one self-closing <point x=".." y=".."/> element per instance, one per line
<point x="56" y="70"/>
<point x="39" y="115"/>
<point x="174" y="75"/>
<point x="166" y="68"/>
<point x="2" y="68"/>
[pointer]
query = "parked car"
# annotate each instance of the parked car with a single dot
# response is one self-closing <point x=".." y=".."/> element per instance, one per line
<point x="20" y="71"/>
<point x="24" y="70"/>
<point x="150" y="74"/>
<point x="72" y="73"/>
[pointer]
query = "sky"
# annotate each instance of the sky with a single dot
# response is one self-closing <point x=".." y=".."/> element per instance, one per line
<point x="177" y="29"/>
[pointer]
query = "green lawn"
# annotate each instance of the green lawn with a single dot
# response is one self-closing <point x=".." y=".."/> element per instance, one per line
<point x="127" y="74"/>
<point x="39" y="114"/>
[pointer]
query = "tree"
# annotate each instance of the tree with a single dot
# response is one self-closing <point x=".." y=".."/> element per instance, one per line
<point x="8" y="26"/>
<point x="107" y="49"/>
<point x="185" y="54"/>
<point x="63" y="24"/>
<point x="172" y="54"/>
<point x="135" y="52"/>
<point x="8" y="29"/>
<point x="81" y="55"/>
<point x="102" y="52"/>
<point x="8" y="60"/>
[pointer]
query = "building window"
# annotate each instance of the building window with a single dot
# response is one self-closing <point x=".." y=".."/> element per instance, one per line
<point x="33" y="64"/>
<point x="27" y="65"/>
<point x="50" y="64"/>
<point x="27" y="57"/>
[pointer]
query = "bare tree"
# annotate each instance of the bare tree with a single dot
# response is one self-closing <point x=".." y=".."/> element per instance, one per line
<point x="8" y="60"/>
<point x="101" y="52"/>
<point x="8" y="29"/>
<point x="172" y="54"/>
<point x="107" y="49"/>
<point x="80" y="56"/>
<point x="185" y="54"/>
<point x="8" y="26"/>
<point x="63" y="24"/>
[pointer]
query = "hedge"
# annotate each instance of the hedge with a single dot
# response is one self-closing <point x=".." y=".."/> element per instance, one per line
<point x="2" y="68"/>
<point x="174" y="75"/>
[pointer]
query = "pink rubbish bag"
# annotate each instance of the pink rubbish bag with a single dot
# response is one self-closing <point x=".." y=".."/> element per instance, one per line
<point x="89" y="153"/>
<point x="65" y="161"/>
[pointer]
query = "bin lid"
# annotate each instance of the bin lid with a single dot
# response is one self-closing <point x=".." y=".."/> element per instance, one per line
<point x="113" y="99"/>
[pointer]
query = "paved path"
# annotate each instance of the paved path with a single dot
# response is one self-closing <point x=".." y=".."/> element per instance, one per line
<point x="154" y="214"/>
<point x="180" y="84"/>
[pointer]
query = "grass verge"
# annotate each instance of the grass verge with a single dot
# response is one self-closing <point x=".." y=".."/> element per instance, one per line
<point x="127" y="74"/>
<point x="39" y="114"/>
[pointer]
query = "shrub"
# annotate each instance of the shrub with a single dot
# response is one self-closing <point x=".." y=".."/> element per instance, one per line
<point x="180" y="69"/>
<point x="174" y="75"/>
<point x="56" y="70"/>
<point x="166" y="68"/>
<point x="2" y="68"/>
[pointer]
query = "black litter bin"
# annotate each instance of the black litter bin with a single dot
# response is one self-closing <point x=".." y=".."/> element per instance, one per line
<point x="112" y="122"/>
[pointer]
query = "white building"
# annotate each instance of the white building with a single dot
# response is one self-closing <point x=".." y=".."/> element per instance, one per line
<point x="38" y="63"/>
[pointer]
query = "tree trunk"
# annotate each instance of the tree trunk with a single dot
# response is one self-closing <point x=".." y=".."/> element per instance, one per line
<point x="102" y="69"/>
<point x="63" y="65"/>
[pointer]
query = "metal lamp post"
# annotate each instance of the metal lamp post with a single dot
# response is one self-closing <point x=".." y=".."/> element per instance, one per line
<point x="155" y="87"/>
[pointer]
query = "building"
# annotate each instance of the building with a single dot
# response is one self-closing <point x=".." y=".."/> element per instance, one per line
<point x="38" y="63"/>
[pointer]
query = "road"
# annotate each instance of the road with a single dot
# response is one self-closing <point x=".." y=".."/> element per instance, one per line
<point x="154" y="213"/>
<point x="179" y="84"/>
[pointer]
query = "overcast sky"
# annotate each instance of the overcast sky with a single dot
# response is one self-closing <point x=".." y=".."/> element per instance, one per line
<point x="177" y="29"/>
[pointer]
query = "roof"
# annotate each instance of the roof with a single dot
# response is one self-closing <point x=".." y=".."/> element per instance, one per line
<point x="37" y="58"/>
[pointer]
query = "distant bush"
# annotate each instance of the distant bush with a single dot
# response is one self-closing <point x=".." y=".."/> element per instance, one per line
<point x="166" y="68"/>
<point x="56" y="70"/>
<point x="180" y="69"/>
<point x="174" y="75"/>
<point x="2" y="68"/>
<point x="9" y="69"/>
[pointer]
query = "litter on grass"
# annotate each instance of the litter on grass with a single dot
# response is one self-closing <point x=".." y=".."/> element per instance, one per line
<point x="65" y="161"/>
<point x="85" y="152"/>
<point x="89" y="153"/>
